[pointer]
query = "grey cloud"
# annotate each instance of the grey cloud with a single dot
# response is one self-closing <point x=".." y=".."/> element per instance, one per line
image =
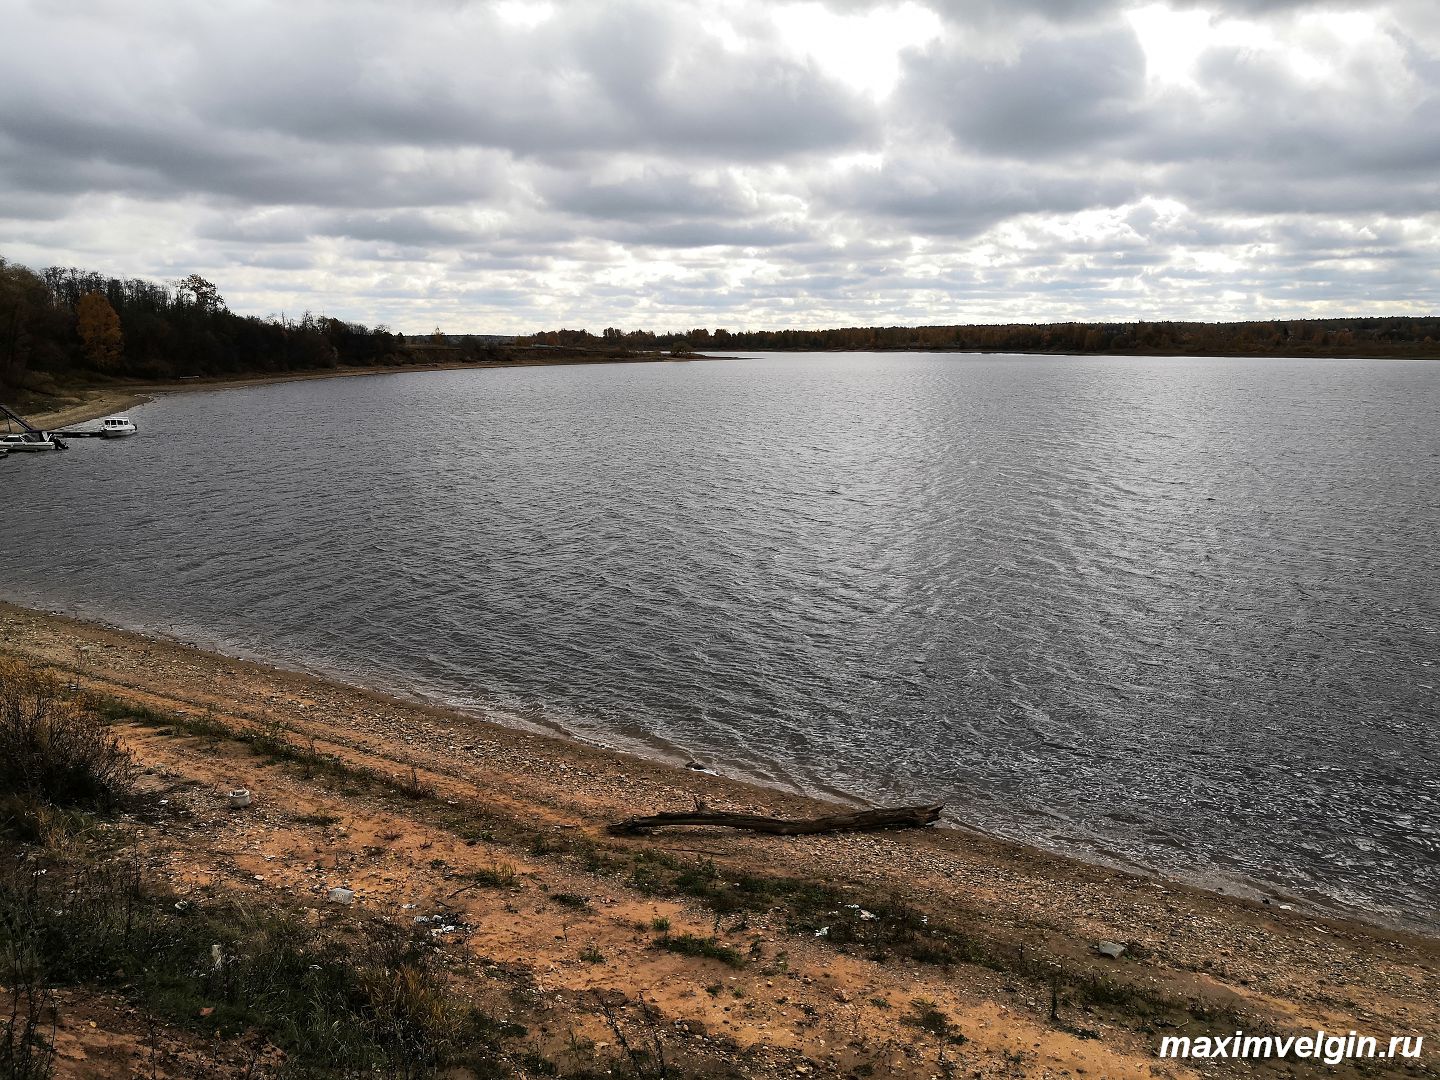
<point x="1187" y="230"/>
<point x="652" y="194"/>
<point x="972" y="14"/>
<point x="620" y="76"/>
<point x="273" y="259"/>
<point x="1270" y="191"/>
<point x="960" y="197"/>
<point x="34" y="205"/>
<point x="1061" y="93"/>
<point x="868" y="246"/>
<point x="285" y="226"/>
<point x="488" y="260"/>
<point x="494" y="297"/>
<point x="77" y="154"/>
<point x="671" y="209"/>
<point x="988" y="13"/>
<point x="1250" y="137"/>
<point x="1272" y="7"/>
<point x="695" y="234"/>
<point x="405" y="227"/>
<point x="387" y="252"/>
<point x="305" y="111"/>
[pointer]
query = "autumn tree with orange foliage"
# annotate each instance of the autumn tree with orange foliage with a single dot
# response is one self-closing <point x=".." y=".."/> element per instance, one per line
<point x="99" y="329"/>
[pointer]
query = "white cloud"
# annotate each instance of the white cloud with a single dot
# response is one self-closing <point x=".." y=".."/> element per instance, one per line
<point x="525" y="13"/>
<point x="1171" y="40"/>
<point x="859" y="49"/>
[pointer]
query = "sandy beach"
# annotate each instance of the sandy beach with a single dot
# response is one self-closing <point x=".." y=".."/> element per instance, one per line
<point x="822" y="982"/>
<point x="81" y="404"/>
<point x="91" y="403"/>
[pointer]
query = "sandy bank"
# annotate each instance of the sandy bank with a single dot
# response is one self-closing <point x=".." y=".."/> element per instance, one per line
<point x="966" y="924"/>
<point x="91" y="403"/>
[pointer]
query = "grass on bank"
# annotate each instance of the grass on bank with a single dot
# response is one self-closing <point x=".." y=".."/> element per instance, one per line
<point x="361" y="997"/>
<point x="365" y="996"/>
<point x="882" y="928"/>
<point x="57" y="760"/>
<point x="692" y="945"/>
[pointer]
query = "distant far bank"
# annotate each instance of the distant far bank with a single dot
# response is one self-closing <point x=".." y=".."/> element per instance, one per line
<point x="70" y="335"/>
<point x="1384" y="337"/>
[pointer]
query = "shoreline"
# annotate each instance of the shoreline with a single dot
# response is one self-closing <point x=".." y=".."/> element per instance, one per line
<point x="1238" y="961"/>
<point x="675" y="758"/>
<point x="670" y="756"/>
<point x="102" y="401"/>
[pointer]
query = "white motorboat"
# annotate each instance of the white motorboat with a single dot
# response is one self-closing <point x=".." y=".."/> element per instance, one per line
<point x="29" y="442"/>
<point x="29" y="438"/>
<point x="116" y="427"/>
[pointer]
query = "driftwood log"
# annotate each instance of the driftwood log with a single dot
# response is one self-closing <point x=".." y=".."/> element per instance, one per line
<point x="896" y="817"/>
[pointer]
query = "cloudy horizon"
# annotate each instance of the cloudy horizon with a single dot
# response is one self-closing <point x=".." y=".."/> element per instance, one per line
<point x="515" y="166"/>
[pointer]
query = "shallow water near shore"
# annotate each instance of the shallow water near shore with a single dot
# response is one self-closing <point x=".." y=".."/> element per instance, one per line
<point x="1181" y="612"/>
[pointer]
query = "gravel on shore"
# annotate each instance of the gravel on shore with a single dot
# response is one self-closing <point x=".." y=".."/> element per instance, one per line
<point x="823" y="1009"/>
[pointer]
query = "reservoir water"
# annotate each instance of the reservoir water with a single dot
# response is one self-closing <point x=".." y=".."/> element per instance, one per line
<point x="1177" y="612"/>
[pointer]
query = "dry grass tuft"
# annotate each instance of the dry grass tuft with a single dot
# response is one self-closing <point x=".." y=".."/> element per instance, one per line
<point x="56" y="754"/>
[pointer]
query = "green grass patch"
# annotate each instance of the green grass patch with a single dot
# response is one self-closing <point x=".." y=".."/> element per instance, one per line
<point x="708" y="947"/>
<point x="369" y="998"/>
<point x="500" y="875"/>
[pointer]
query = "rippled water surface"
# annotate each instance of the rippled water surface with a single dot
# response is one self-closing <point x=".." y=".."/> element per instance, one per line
<point x="1178" y="611"/>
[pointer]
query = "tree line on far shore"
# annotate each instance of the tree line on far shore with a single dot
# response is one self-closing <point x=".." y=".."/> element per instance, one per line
<point x="62" y="325"/>
<point x="1410" y="336"/>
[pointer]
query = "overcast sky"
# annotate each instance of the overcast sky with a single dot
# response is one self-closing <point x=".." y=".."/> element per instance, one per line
<point x="516" y="166"/>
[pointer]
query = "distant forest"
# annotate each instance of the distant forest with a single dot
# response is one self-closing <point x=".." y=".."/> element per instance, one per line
<point x="63" y="326"/>
<point x="1390" y="336"/>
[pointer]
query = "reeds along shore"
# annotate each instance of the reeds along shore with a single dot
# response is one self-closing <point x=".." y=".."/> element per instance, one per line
<point x="491" y="925"/>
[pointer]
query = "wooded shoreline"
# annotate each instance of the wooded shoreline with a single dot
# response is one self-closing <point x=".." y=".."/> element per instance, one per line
<point x="70" y="330"/>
